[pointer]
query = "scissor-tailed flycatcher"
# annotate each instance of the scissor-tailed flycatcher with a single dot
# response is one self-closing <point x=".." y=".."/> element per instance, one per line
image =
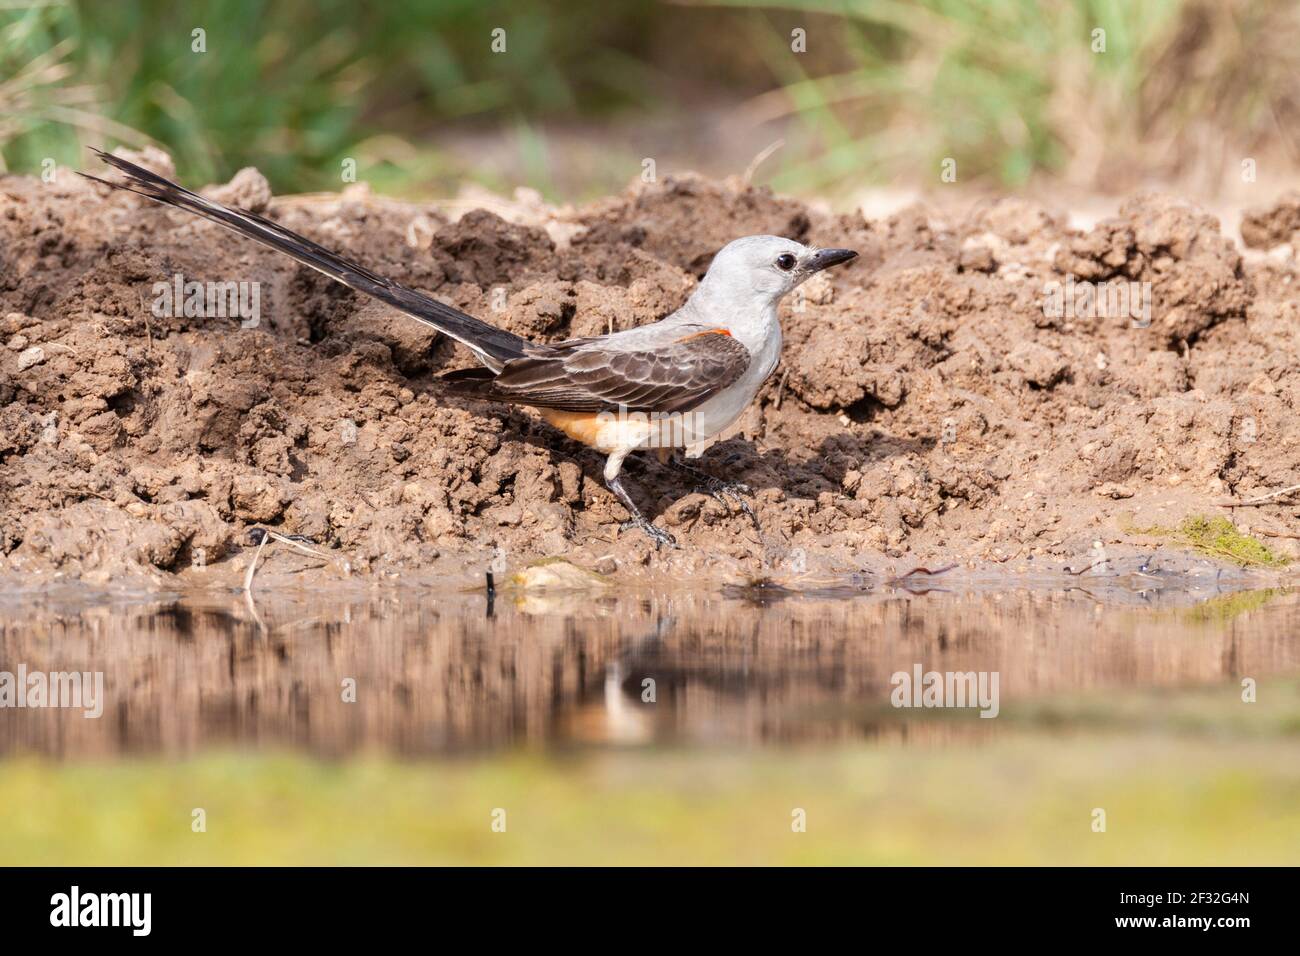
<point x="669" y="384"/>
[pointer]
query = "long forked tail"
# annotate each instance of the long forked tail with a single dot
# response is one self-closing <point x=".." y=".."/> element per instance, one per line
<point x="493" y="346"/>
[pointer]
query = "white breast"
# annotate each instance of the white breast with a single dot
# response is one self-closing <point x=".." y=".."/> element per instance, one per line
<point x="714" y="415"/>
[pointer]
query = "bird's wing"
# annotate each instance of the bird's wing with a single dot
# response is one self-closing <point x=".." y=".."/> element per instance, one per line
<point x="592" y="375"/>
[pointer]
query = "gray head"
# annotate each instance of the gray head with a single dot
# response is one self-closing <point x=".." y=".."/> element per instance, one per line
<point x="762" y="269"/>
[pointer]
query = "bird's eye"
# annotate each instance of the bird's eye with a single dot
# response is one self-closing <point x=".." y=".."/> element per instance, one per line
<point x="785" y="262"/>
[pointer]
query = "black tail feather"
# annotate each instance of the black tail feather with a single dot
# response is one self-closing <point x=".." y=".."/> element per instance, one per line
<point x="493" y="345"/>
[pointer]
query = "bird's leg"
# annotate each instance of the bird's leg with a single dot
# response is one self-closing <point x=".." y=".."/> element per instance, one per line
<point x="657" y="535"/>
<point x="722" y="490"/>
<point x="638" y="520"/>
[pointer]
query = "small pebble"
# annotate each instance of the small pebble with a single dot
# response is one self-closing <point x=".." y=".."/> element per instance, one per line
<point x="29" y="357"/>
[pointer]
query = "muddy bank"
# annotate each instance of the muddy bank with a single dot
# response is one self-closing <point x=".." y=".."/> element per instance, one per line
<point x="991" y="387"/>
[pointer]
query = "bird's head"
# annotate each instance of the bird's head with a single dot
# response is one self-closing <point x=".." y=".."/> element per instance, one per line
<point x="762" y="269"/>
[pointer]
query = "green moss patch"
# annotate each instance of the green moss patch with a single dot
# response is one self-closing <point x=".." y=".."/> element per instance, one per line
<point x="1216" y="537"/>
<point x="1219" y="537"/>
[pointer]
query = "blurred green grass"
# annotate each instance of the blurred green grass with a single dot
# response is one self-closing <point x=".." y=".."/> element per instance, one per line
<point x="296" y="87"/>
<point x="1094" y="92"/>
<point x="1184" y="778"/>
<point x="1193" y="803"/>
<point x="886" y="90"/>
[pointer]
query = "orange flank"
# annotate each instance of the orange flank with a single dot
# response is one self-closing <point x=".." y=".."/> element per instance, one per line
<point x="580" y="426"/>
<point x="696" y="335"/>
<point x="607" y="432"/>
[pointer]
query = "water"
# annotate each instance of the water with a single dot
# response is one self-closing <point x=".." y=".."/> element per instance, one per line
<point x="437" y="674"/>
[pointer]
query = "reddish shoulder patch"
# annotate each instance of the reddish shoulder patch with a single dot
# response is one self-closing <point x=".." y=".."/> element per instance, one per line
<point x="696" y="335"/>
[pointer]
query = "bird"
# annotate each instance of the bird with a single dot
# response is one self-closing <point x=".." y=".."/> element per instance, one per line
<point x="668" y="384"/>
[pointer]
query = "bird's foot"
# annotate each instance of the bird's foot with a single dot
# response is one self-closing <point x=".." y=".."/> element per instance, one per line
<point x="658" y="535"/>
<point x="725" y="491"/>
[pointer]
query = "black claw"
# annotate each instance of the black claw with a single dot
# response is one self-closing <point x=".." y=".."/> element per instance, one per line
<point x="725" y="491"/>
<point x="658" y="535"/>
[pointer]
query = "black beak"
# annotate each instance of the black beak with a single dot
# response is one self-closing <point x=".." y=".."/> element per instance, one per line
<point x="825" y="258"/>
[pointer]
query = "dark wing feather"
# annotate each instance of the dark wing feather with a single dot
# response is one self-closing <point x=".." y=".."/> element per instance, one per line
<point x="588" y="375"/>
<point x="497" y="346"/>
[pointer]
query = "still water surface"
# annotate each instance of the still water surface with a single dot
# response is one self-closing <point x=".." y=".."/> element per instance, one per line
<point x="446" y="673"/>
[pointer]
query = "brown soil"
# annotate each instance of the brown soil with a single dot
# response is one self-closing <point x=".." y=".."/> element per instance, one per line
<point x="928" y="409"/>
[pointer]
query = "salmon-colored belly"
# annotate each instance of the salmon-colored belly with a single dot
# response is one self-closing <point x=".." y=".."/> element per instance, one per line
<point x="610" y="432"/>
<point x="580" y="426"/>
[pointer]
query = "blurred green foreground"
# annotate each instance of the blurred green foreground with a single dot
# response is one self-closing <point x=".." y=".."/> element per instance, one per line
<point x="1187" y="778"/>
